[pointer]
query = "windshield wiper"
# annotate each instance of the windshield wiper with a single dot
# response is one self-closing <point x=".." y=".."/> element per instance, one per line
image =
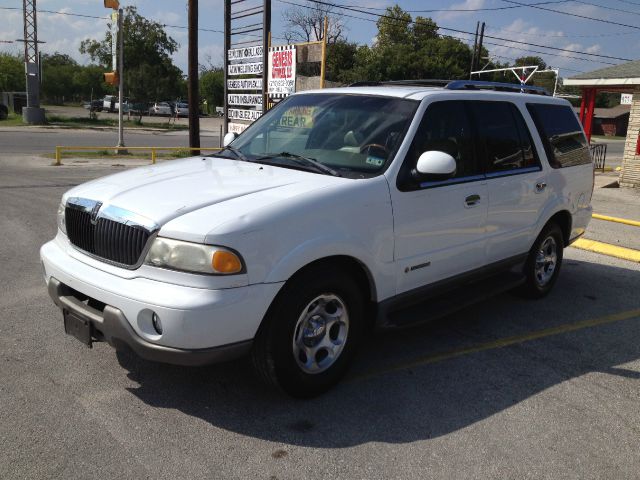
<point x="233" y="150"/>
<point x="302" y="160"/>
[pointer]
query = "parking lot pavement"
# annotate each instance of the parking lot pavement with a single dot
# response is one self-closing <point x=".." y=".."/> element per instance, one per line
<point x="505" y="389"/>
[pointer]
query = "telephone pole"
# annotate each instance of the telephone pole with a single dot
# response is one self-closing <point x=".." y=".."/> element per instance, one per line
<point x="194" y="94"/>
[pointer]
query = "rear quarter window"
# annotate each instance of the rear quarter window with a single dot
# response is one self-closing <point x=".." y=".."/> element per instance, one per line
<point x="562" y="137"/>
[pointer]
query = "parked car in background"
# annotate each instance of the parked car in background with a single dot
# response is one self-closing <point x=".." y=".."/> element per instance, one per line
<point x="160" y="108"/>
<point x="138" y="108"/>
<point x="181" y="109"/>
<point x="94" y="105"/>
<point x="109" y="103"/>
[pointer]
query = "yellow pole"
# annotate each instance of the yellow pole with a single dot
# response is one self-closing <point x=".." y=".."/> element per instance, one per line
<point x="58" y="157"/>
<point x="153" y="156"/>
<point x="324" y="52"/>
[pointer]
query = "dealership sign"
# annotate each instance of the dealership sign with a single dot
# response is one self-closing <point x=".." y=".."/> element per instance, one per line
<point x="241" y="114"/>
<point x="244" y="53"/>
<point x="248" y="99"/>
<point x="282" y="71"/>
<point x="245" y="84"/>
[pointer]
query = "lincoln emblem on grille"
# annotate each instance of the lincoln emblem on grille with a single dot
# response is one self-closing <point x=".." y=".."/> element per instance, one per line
<point x="94" y="212"/>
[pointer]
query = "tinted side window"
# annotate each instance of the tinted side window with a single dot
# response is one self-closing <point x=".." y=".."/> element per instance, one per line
<point x="445" y="127"/>
<point x="564" y="142"/>
<point x="503" y="139"/>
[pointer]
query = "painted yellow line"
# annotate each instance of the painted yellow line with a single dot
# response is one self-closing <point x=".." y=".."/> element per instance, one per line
<point x="607" y="249"/>
<point x="503" y="342"/>
<point x="607" y="218"/>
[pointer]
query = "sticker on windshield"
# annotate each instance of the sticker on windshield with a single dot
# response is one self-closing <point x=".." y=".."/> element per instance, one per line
<point x="375" y="161"/>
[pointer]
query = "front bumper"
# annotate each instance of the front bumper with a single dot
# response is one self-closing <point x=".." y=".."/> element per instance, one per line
<point x="193" y="318"/>
<point x="110" y="325"/>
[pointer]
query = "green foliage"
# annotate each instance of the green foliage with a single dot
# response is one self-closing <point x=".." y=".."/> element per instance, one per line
<point x="212" y="88"/>
<point x="12" y="77"/>
<point x="149" y="72"/>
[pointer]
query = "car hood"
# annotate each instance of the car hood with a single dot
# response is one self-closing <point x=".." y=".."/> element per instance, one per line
<point x="161" y="193"/>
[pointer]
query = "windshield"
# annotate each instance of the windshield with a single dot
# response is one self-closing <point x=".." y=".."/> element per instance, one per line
<point x="356" y="135"/>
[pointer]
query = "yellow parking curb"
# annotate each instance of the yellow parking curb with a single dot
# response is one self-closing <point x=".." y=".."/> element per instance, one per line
<point x="616" y="219"/>
<point x="608" y="249"/>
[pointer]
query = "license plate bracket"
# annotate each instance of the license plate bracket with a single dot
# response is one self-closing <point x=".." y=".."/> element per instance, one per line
<point x="78" y="327"/>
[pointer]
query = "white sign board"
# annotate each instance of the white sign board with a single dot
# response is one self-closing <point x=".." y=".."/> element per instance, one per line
<point x="241" y="114"/>
<point x="244" y="53"/>
<point x="245" y="68"/>
<point x="626" y="99"/>
<point x="244" y="99"/>
<point x="114" y="41"/>
<point x="245" y="84"/>
<point x="282" y="70"/>
<point x="237" y="127"/>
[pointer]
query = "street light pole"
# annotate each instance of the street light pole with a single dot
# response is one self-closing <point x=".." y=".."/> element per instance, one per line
<point x="121" y="80"/>
<point x="194" y="94"/>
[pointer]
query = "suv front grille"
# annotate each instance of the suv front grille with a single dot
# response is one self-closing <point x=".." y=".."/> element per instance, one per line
<point x="114" y="241"/>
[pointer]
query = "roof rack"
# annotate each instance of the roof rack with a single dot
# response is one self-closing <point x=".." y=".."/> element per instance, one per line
<point x="457" y="85"/>
<point x="502" y="87"/>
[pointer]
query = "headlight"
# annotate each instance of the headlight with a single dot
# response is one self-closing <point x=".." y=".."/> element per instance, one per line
<point x="193" y="257"/>
<point x="61" y="219"/>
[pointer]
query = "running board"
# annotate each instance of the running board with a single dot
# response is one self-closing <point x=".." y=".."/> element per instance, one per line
<point x="437" y="304"/>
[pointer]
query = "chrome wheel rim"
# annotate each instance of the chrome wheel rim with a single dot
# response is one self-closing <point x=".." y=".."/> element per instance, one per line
<point x="546" y="261"/>
<point x="320" y="333"/>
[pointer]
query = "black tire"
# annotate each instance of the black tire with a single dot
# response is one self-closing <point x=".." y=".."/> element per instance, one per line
<point x="273" y="354"/>
<point x="539" y="279"/>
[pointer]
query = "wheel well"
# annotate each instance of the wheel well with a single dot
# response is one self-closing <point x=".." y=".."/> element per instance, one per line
<point x="563" y="220"/>
<point x="360" y="273"/>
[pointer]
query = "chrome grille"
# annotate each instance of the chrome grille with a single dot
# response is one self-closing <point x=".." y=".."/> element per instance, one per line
<point x="113" y="238"/>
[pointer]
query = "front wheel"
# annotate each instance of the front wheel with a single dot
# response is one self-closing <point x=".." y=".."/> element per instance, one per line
<point x="543" y="264"/>
<point x="311" y="332"/>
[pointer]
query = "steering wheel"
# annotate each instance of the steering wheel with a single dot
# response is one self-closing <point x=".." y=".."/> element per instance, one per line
<point x="368" y="146"/>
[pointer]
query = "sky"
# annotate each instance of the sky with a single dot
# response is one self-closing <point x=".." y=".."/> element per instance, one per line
<point x="507" y="20"/>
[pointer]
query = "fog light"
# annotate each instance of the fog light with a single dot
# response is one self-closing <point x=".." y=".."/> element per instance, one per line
<point x="157" y="324"/>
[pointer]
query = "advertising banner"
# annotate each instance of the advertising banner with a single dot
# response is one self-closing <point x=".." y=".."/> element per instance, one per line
<point x="282" y="71"/>
<point x="237" y="127"/>
<point x="245" y="84"/>
<point x="245" y="68"/>
<point x="244" y="53"/>
<point x="244" y="99"/>
<point x="241" y="114"/>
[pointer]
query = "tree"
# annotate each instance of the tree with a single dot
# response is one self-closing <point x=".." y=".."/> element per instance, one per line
<point x="149" y="72"/>
<point x="394" y="27"/>
<point x="307" y="24"/>
<point x="212" y="87"/>
<point x="58" y="72"/>
<point x="12" y="77"/>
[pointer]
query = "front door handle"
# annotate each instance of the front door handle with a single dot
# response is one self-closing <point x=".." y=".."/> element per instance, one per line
<point x="472" y="200"/>
<point x="540" y="186"/>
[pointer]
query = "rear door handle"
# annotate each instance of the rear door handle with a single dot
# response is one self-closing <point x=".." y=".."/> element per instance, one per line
<point x="540" y="186"/>
<point x="472" y="200"/>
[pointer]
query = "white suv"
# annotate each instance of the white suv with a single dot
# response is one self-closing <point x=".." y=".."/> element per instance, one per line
<point x="336" y="211"/>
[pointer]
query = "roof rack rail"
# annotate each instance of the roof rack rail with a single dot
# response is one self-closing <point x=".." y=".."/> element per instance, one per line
<point x="498" y="86"/>
<point x="457" y="85"/>
<point x="402" y="83"/>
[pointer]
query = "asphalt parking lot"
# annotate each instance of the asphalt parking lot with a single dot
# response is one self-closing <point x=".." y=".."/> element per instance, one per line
<point x="508" y="388"/>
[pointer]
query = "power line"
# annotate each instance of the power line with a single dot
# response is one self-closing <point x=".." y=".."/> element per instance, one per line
<point x="444" y="10"/>
<point x="469" y="33"/>
<point x="570" y="35"/>
<point x="571" y="14"/>
<point x="606" y="8"/>
<point x="379" y="16"/>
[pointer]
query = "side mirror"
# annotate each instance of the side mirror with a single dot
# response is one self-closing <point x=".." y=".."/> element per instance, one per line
<point x="228" y="138"/>
<point x="436" y="164"/>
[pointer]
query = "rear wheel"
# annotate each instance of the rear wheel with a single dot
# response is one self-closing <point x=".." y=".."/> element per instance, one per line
<point x="543" y="264"/>
<point x="311" y="332"/>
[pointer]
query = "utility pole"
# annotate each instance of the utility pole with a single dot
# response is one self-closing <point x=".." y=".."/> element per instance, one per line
<point x="121" y="80"/>
<point x="194" y="95"/>
<point x="475" y="48"/>
<point x="32" y="113"/>
<point x="479" y="55"/>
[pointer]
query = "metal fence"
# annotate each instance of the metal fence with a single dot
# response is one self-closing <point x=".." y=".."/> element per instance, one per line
<point x="599" y="155"/>
<point x="153" y="150"/>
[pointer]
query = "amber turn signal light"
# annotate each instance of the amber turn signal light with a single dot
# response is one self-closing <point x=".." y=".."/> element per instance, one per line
<point x="224" y="261"/>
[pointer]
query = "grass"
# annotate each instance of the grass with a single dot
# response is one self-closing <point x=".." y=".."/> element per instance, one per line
<point x="15" y="120"/>
<point x="86" y="122"/>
